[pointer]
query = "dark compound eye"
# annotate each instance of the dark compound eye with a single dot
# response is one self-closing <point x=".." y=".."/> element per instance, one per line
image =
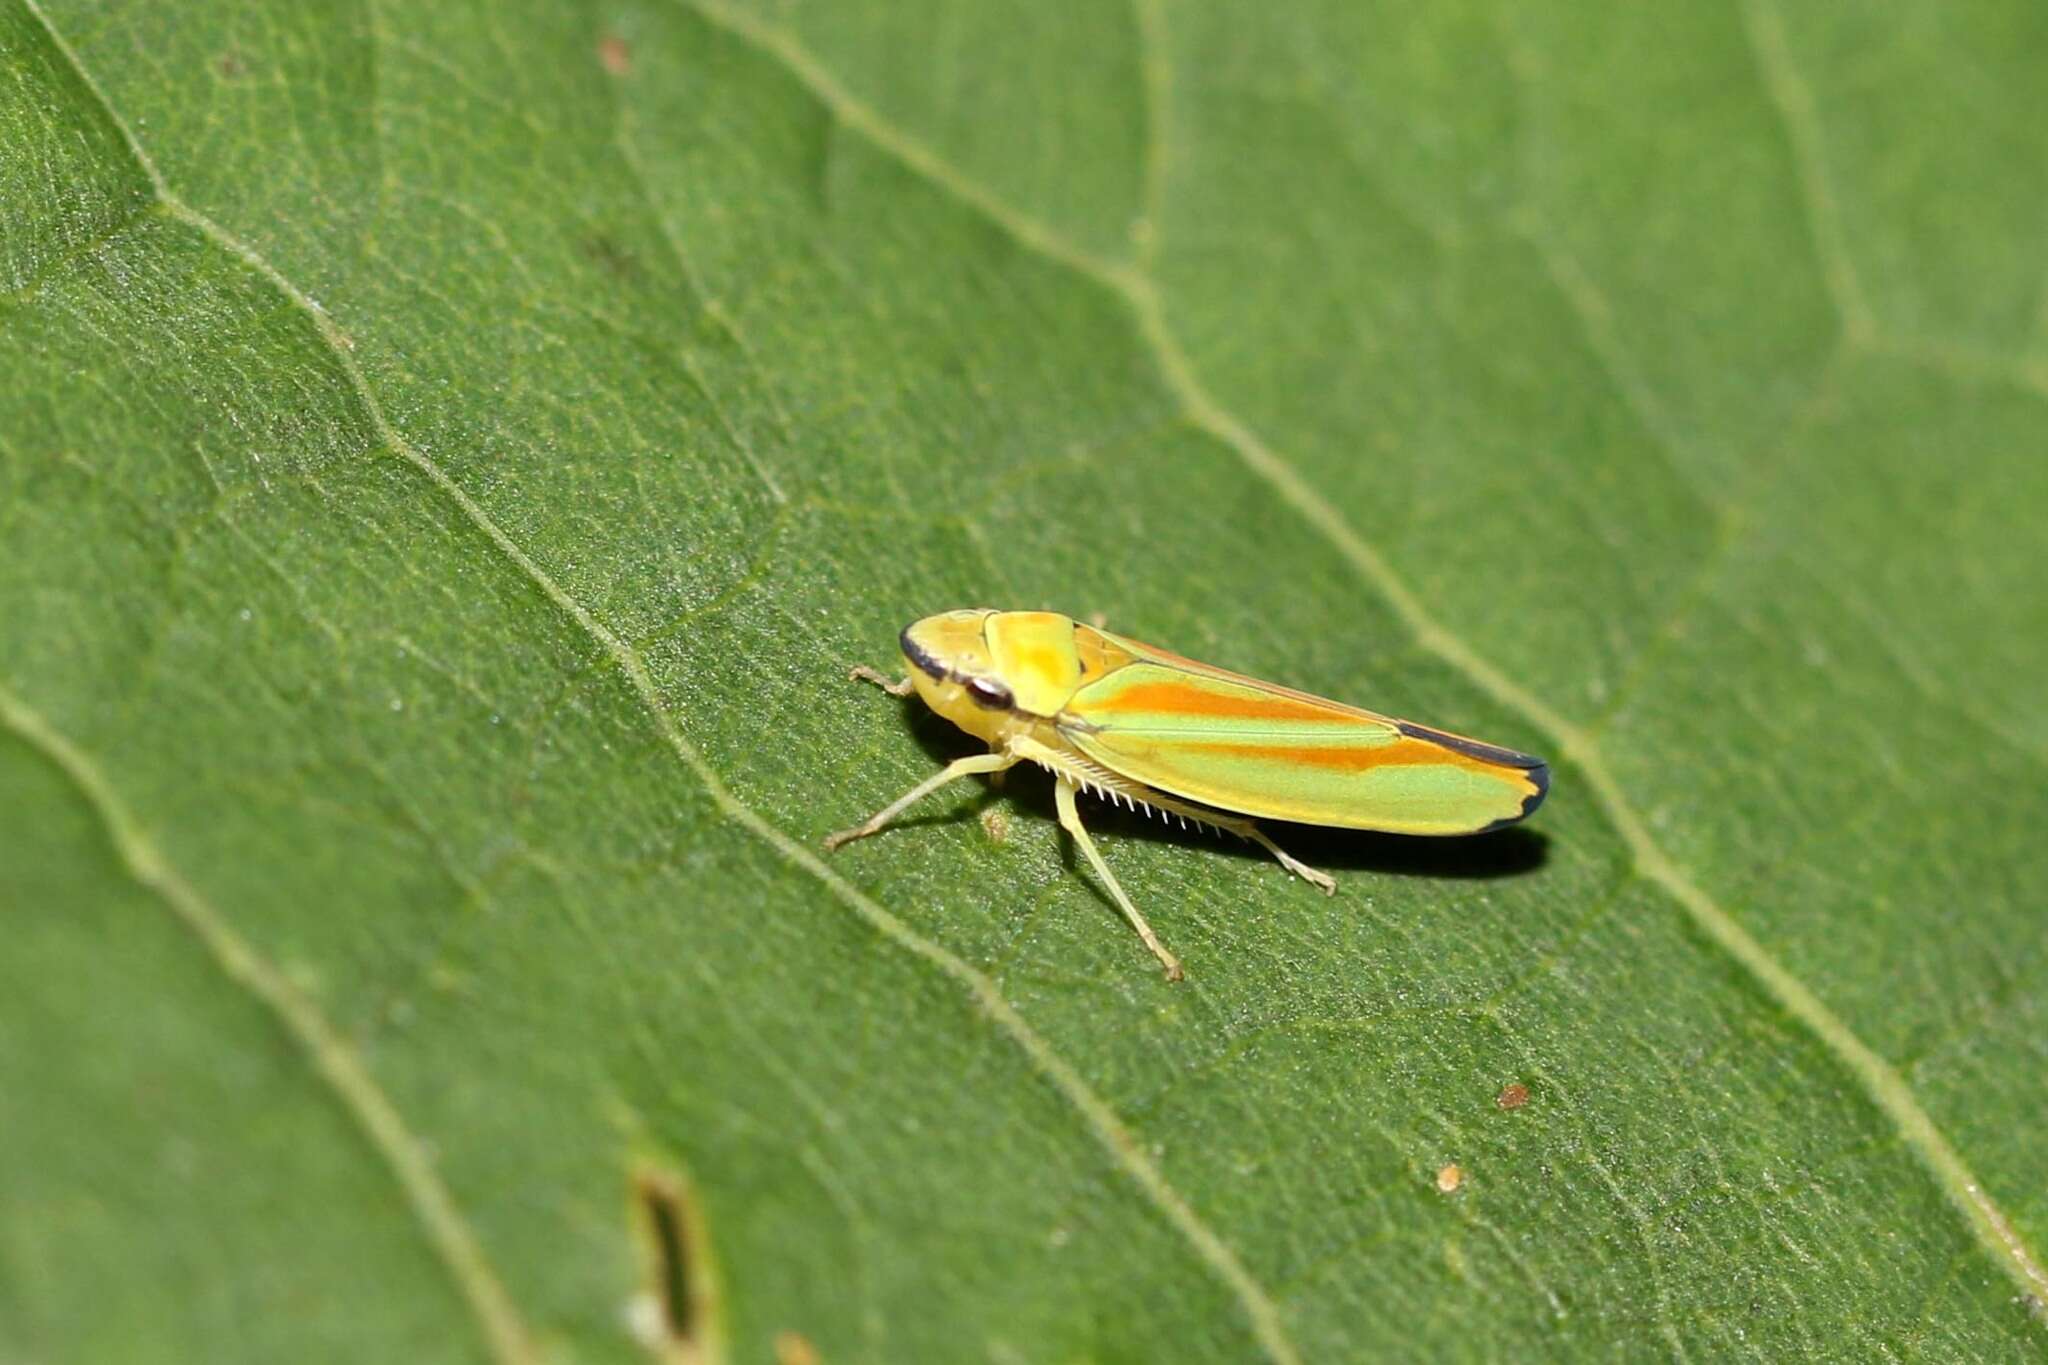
<point x="991" y="694"/>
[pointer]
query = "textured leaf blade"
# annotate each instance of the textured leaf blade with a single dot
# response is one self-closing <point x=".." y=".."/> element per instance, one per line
<point x="451" y="459"/>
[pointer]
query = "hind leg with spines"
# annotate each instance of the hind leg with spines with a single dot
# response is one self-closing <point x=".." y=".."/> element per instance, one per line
<point x="1232" y="824"/>
<point x="1245" y="829"/>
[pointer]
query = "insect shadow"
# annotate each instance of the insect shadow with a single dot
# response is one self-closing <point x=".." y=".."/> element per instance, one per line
<point x="1507" y="852"/>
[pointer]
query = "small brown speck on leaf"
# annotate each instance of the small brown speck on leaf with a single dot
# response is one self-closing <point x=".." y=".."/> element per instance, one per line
<point x="794" y="1348"/>
<point x="1449" y="1178"/>
<point x="616" y="56"/>
<point x="1512" y="1096"/>
<point x="601" y="248"/>
<point x="230" y="66"/>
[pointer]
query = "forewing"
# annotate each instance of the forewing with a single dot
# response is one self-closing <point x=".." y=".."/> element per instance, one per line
<point x="1239" y="744"/>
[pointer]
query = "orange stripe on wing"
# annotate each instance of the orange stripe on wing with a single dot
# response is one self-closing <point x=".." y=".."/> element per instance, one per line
<point x="1191" y="700"/>
<point x="1349" y="758"/>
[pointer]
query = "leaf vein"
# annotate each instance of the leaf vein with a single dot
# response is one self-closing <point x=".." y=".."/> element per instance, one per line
<point x="441" y="1219"/>
<point x="1155" y="98"/>
<point x="1790" y="96"/>
<point x="622" y="139"/>
<point x="330" y="1054"/>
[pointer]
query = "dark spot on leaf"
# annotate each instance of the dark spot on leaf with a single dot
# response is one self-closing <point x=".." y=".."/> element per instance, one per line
<point x="610" y="255"/>
<point x="615" y="54"/>
<point x="230" y="66"/>
<point x="679" y="1291"/>
<point x="1512" y="1096"/>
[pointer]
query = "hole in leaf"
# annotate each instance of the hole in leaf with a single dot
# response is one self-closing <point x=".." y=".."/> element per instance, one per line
<point x="676" y="1316"/>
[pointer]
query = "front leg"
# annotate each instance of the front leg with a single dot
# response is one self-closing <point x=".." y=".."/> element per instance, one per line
<point x="881" y="680"/>
<point x="958" y="768"/>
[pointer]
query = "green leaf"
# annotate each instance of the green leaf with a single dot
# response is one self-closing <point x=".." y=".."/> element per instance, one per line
<point x="450" y="456"/>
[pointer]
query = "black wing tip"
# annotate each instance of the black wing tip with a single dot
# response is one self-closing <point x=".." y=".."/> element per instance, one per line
<point x="1471" y="748"/>
<point x="1532" y="767"/>
<point x="1538" y="773"/>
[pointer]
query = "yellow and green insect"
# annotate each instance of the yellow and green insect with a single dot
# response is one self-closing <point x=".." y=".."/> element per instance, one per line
<point x="1145" y="727"/>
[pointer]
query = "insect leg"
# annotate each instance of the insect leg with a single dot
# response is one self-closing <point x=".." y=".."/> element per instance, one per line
<point x="1065" y="768"/>
<point x="1070" y="820"/>
<point x="1243" y="829"/>
<point x="1300" y="869"/>
<point x="894" y="689"/>
<point x="958" y="768"/>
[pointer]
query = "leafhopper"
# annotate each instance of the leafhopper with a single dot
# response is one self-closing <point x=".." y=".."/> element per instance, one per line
<point x="1143" y="727"/>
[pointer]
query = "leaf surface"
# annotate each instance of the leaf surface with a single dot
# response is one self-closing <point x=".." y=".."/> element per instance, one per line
<point x="450" y="456"/>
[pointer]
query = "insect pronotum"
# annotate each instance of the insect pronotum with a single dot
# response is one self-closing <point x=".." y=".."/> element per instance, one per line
<point x="1147" y="729"/>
